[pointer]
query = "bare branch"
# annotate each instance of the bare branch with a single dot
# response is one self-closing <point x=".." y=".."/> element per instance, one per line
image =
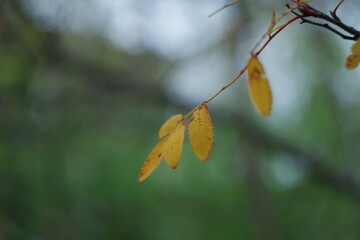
<point x="324" y="25"/>
<point x="333" y="19"/>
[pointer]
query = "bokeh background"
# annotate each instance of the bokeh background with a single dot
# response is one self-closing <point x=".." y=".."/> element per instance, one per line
<point x="86" y="84"/>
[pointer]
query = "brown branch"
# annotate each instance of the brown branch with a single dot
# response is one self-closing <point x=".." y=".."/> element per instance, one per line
<point x="325" y="25"/>
<point x="308" y="11"/>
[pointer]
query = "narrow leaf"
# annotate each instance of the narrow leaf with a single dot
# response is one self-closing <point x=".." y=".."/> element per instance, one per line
<point x="174" y="145"/>
<point x="169" y="125"/>
<point x="152" y="161"/>
<point x="258" y="86"/>
<point x="201" y="133"/>
<point x="272" y="23"/>
<point x="225" y="6"/>
<point x="353" y="60"/>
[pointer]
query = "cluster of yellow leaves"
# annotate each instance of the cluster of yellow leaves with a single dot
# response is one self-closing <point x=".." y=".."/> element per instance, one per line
<point x="353" y="60"/>
<point x="200" y="129"/>
<point x="171" y="135"/>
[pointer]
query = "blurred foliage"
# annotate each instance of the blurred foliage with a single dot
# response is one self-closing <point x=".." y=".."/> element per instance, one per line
<point x="78" y="117"/>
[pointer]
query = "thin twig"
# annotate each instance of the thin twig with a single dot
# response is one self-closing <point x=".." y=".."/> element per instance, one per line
<point x="333" y="13"/>
<point x="223" y="7"/>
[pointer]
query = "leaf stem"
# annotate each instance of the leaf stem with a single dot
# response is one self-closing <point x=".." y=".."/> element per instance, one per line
<point x="333" y="13"/>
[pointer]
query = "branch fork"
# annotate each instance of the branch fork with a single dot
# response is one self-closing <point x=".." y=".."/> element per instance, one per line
<point x="330" y="21"/>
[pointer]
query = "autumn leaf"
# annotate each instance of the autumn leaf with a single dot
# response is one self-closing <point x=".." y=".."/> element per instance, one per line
<point x="170" y="147"/>
<point x="353" y="60"/>
<point x="258" y="86"/>
<point x="169" y="125"/>
<point x="225" y="6"/>
<point x="174" y="145"/>
<point x="152" y="161"/>
<point x="272" y="23"/>
<point x="201" y="133"/>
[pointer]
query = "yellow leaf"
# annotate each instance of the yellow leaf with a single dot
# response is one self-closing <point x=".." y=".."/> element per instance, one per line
<point x="225" y="6"/>
<point x="272" y="23"/>
<point x="174" y="145"/>
<point x="152" y="161"/>
<point x="258" y="86"/>
<point x="201" y="133"/>
<point x="169" y="125"/>
<point x="353" y="60"/>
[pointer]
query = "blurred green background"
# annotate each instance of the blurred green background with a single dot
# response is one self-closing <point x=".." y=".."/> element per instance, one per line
<point x="86" y="84"/>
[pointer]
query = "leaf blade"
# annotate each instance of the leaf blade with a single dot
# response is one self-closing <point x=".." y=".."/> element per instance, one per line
<point x="169" y="125"/>
<point x="152" y="161"/>
<point x="353" y="60"/>
<point x="174" y="145"/>
<point x="259" y="87"/>
<point x="201" y="134"/>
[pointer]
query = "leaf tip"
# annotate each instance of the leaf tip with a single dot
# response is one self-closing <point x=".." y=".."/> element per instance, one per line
<point x="140" y="178"/>
<point x="352" y="62"/>
<point x="266" y="114"/>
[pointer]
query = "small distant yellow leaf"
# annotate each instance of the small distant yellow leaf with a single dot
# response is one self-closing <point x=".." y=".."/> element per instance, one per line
<point x="152" y="161"/>
<point x="225" y="6"/>
<point x="258" y="86"/>
<point x="272" y="23"/>
<point x="353" y="60"/>
<point x="174" y="145"/>
<point x="169" y="125"/>
<point x="201" y="133"/>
